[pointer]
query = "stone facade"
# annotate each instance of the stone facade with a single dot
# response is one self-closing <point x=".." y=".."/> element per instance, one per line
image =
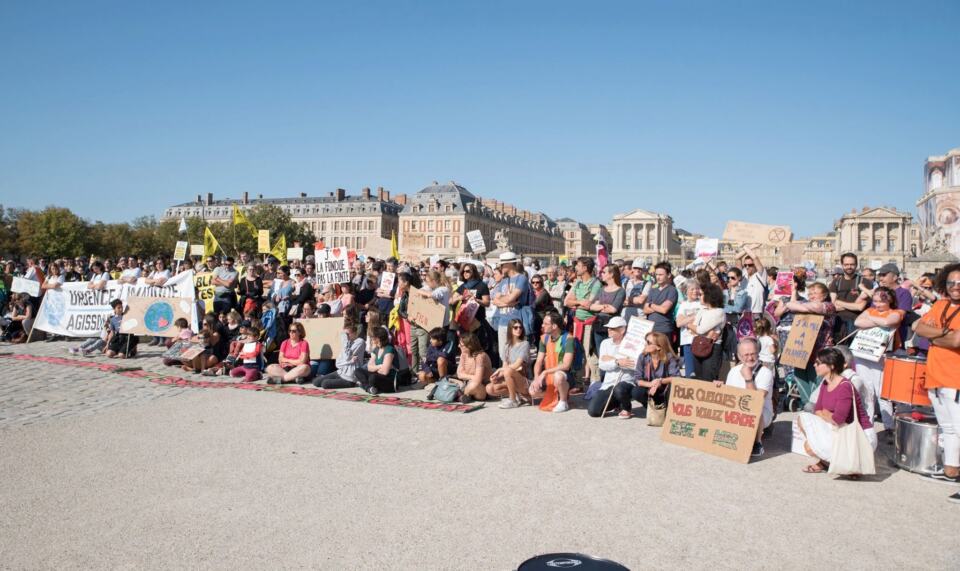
<point x="645" y="235"/>
<point x="883" y="233"/>
<point x="939" y="207"/>
<point x="337" y="219"/>
<point x="577" y="238"/>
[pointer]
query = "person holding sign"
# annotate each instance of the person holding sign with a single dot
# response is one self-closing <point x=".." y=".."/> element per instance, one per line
<point x="751" y="374"/>
<point x="817" y="303"/>
<point x="885" y="315"/>
<point x="838" y="404"/>
<point x="941" y="326"/>
<point x="554" y="366"/>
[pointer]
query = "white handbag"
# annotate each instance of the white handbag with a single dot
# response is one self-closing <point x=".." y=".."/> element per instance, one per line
<point x="852" y="453"/>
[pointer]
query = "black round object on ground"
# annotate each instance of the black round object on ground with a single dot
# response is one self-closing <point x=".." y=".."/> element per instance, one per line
<point x="575" y="561"/>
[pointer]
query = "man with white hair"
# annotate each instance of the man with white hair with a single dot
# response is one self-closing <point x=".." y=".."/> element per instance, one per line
<point x="556" y="287"/>
<point x="750" y="374"/>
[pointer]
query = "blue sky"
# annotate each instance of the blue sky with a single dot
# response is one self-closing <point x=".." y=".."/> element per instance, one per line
<point x="788" y="113"/>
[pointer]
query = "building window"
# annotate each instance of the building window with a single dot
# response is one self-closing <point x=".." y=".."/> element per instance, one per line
<point x="456" y="225"/>
<point x="446" y="225"/>
<point x="877" y="244"/>
<point x="430" y="242"/>
<point x="336" y="225"/>
<point x="446" y="241"/>
<point x="863" y="245"/>
<point x="430" y="226"/>
<point x="891" y="245"/>
<point x="456" y="241"/>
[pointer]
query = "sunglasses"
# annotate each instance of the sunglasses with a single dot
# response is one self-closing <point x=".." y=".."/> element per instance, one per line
<point x="953" y="283"/>
<point x="732" y="277"/>
<point x="294" y="331"/>
<point x="517" y="327"/>
<point x="749" y="265"/>
<point x="537" y="283"/>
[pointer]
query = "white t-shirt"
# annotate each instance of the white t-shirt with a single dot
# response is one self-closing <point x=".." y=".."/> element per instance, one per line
<point x="687" y="308"/>
<point x="763" y="379"/>
<point x="710" y="320"/>
<point x="130" y="273"/>
<point x="766" y="350"/>
<point x="755" y="285"/>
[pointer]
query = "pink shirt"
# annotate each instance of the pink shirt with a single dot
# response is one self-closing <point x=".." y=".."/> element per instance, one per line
<point x="839" y="401"/>
<point x="293" y="352"/>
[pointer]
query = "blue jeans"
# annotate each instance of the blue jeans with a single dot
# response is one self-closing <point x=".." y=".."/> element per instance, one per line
<point x="687" y="351"/>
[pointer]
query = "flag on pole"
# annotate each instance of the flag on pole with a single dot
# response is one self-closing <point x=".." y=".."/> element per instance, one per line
<point x="240" y="218"/>
<point x="394" y="251"/>
<point x="602" y="256"/>
<point x="183" y="225"/>
<point x="210" y="244"/>
<point x="279" y="250"/>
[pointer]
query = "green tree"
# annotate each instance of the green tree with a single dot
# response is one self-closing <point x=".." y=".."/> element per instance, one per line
<point x="54" y="232"/>
<point x="8" y="231"/>
<point x="110" y="240"/>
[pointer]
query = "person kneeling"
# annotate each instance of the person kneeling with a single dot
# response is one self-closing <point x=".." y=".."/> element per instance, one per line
<point x="752" y="375"/>
<point x="616" y="373"/>
<point x="552" y="372"/>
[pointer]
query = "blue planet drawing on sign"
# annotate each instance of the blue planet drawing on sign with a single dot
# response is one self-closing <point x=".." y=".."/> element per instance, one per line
<point x="54" y="307"/>
<point x="158" y="317"/>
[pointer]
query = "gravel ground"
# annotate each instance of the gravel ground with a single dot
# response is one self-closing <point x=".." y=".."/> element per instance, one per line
<point x="231" y="479"/>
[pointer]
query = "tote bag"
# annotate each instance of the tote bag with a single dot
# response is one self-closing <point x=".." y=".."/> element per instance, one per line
<point x="852" y="453"/>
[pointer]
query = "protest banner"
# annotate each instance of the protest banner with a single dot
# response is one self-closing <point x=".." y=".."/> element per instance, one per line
<point x="425" y="312"/>
<point x="476" y="242"/>
<point x="332" y="266"/>
<point x="294" y="253"/>
<point x="23" y="285"/>
<point x="722" y="421"/>
<point x="707" y="248"/>
<point x="196" y="250"/>
<point x="800" y="341"/>
<point x="180" y="252"/>
<point x="155" y="316"/>
<point x="205" y="289"/>
<point x="871" y="344"/>
<point x="791" y="255"/>
<point x="784" y="284"/>
<point x="73" y="310"/>
<point x="749" y="233"/>
<point x="387" y="279"/>
<point x="323" y="336"/>
<point x="181" y="285"/>
<point x="263" y="241"/>
<point x="635" y="338"/>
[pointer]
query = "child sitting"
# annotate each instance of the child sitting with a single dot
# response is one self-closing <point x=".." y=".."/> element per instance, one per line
<point x="94" y="344"/>
<point x="119" y="345"/>
<point x="249" y="353"/>
<point x="436" y="365"/>
<point x="184" y="335"/>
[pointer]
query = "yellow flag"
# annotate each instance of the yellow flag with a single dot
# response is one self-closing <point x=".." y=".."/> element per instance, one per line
<point x="240" y="218"/>
<point x="279" y="250"/>
<point x="210" y="244"/>
<point x="394" y="251"/>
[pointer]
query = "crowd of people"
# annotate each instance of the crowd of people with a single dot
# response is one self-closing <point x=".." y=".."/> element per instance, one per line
<point x="519" y="333"/>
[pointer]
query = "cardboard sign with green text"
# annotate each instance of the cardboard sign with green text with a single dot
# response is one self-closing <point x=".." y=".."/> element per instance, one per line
<point x="800" y="341"/>
<point x="722" y="421"/>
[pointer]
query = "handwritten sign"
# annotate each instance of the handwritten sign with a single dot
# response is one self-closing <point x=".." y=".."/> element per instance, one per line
<point x="871" y="344"/>
<point x="323" y="336"/>
<point x="263" y="241"/>
<point x="387" y="279"/>
<point x="333" y="266"/>
<point x="155" y="316"/>
<point x="294" y="253"/>
<point x="800" y="341"/>
<point x="707" y="248"/>
<point x="196" y="250"/>
<point x="180" y="252"/>
<point x="476" y="242"/>
<point x="784" y="284"/>
<point x="205" y="289"/>
<point x="23" y="285"/>
<point x="719" y="421"/>
<point x="635" y="338"/>
<point x="425" y="312"/>
<point x="749" y="233"/>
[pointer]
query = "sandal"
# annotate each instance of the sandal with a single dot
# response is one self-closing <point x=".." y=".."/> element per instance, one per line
<point x="817" y="468"/>
<point x="624" y="415"/>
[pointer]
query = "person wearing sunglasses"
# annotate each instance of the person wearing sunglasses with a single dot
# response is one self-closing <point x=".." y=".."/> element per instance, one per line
<point x="293" y="363"/>
<point x="511" y="382"/>
<point x="941" y="327"/>
<point x="754" y="280"/>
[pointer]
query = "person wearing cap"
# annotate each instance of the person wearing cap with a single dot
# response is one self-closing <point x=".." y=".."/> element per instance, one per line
<point x="889" y="276"/>
<point x="509" y="297"/>
<point x="615" y="369"/>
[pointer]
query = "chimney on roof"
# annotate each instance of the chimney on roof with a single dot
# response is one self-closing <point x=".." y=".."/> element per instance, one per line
<point x="366" y="193"/>
<point x="435" y="183"/>
<point x="209" y="198"/>
<point x="400" y="199"/>
<point x="199" y="199"/>
<point x="259" y="197"/>
<point x="341" y="193"/>
<point x="246" y="197"/>
<point x="382" y="195"/>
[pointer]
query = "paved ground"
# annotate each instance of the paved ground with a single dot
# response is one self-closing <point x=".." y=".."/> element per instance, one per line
<point x="100" y="470"/>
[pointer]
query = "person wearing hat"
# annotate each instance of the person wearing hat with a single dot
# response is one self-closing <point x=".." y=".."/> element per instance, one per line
<point x="889" y="276"/>
<point x="615" y="370"/>
<point x="509" y="297"/>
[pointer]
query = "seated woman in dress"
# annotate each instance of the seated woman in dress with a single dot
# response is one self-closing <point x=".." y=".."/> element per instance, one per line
<point x="838" y="404"/>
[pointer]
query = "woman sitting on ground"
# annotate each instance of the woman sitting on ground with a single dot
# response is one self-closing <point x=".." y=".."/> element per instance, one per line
<point x="474" y="369"/>
<point x="293" y="363"/>
<point x="834" y="408"/>
<point x="349" y="359"/>
<point x="513" y="379"/>
<point x="656" y="365"/>
<point x="380" y="374"/>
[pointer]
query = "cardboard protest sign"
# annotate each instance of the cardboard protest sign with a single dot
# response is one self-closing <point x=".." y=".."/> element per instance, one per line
<point x="196" y="249"/>
<point x="193" y="351"/>
<point x="155" y="316"/>
<point x="294" y="254"/>
<point x="74" y="310"/>
<point x="635" y="339"/>
<point x="205" y="290"/>
<point x="425" y="312"/>
<point x="263" y="241"/>
<point x="332" y="266"/>
<point x="707" y="248"/>
<point x="476" y="242"/>
<point x="722" y="421"/>
<point x="377" y="247"/>
<point x="323" y="336"/>
<point x="784" y="284"/>
<point x="749" y="233"/>
<point x="387" y="279"/>
<point x="180" y="252"/>
<point x="871" y="344"/>
<point x="176" y="350"/>
<point x="800" y="341"/>
<point x="23" y="285"/>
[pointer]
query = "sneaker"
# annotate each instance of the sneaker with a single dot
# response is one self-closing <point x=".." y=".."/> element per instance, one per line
<point x="562" y="406"/>
<point x="757" y="450"/>
<point x="941" y="478"/>
<point x="74" y="350"/>
<point x="466" y="399"/>
<point x="955" y="498"/>
<point x="274" y="381"/>
<point x="508" y="403"/>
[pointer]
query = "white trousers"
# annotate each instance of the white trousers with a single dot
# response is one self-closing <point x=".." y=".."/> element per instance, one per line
<point x="872" y="375"/>
<point x="947" y="409"/>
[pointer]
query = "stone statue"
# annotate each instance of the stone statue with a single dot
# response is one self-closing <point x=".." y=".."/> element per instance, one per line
<point x="501" y="239"/>
<point x="936" y="243"/>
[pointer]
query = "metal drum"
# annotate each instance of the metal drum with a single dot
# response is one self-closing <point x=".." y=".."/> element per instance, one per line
<point x="917" y="446"/>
